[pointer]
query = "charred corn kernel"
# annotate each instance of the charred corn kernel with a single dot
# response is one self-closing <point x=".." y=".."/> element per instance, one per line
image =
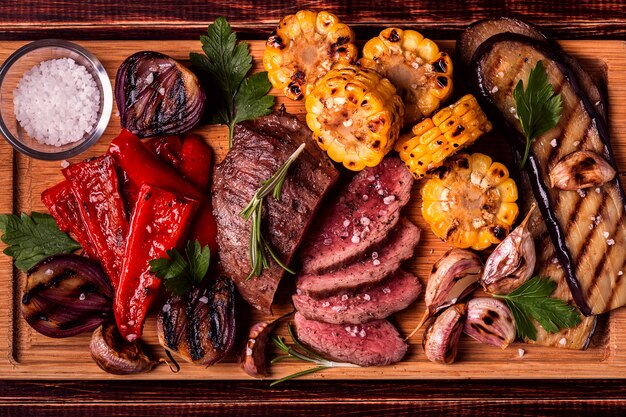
<point x="421" y="73"/>
<point x="355" y="115"/>
<point x="448" y="131"/>
<point x="303" y="48"/>
<point x="470" y="202"/>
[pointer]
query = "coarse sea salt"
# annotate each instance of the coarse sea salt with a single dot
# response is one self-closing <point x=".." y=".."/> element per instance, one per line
<point x="57" y="102"/>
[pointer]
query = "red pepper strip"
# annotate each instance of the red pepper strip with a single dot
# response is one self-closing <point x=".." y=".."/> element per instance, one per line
<point x="143" y="167"/>
<point x="159" y="224"/>
<point x="167" y="148"/>
<point x="63" y="207"/>
<point x="195" y="156"/>
<point x="96" y="187"/>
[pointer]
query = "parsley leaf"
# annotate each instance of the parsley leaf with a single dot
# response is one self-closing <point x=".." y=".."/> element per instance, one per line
<point x="538" y="108"/>
<point x="227" y="63"/>
<point x="180" y="274"/>
<point x="532" y="301"/>
<point x="33" y="238"/>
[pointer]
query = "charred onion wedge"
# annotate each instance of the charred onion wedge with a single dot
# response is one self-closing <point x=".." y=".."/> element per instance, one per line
<point x="470" y="202"/>
<point x="421" y="73"/>
<point x="303" y="48"/>
<point x="200" y="325"/>
<point x="355" y="115"/>
<point x="157" y="96"/>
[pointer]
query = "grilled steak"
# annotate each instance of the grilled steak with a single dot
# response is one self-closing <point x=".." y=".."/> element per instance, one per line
<point x="366" y="210"/>
<point x="260" y="147"/>
<point x="371" y="344"/>
<point x="393" y="294"/>
<point x="370" y="269"/>
<point x="587" y="227"/>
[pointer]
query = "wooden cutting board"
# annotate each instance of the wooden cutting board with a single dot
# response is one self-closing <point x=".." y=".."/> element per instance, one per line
<point x="27" y="354"/>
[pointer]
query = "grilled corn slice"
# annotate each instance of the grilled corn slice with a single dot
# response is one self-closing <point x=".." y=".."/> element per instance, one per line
<point x="448" y="131"/>
<point x="303" y="48"/>
<point x="355" y="115"/>
<point x="421" y="73"/>
<point x="470" y="202"/>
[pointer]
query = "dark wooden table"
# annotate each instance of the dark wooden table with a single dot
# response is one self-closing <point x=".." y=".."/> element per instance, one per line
<point x="186" y="19"/>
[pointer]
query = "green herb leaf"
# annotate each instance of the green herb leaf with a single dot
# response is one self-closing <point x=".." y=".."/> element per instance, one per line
<point x="532" y="301"/>
<point x="538" y="108"/>
<point x="227" y="63"/>
<point x="259" y="247"/>
<point x="33" y="238"/>
<point x="179" y="274"/>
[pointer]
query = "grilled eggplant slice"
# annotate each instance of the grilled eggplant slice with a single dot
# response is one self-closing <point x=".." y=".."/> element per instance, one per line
<point x="586" y="228"/>
<point x="200" y="325"/>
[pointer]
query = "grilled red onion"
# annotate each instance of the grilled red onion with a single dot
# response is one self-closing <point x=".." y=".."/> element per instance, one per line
<point x="66" y="295"/>
<point x="116" y="355"/>
<point x="157" y="96"/>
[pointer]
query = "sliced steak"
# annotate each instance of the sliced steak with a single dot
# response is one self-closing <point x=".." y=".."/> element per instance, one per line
<point x="370" y="269"/>
<point x="366" y="210"/>
<point x="371" y="344"/>
<point x="260" y="147"/>
<point x="391" y="295"/>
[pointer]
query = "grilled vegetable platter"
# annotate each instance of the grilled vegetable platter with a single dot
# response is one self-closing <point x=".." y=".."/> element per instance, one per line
<point x="301" y="242"/>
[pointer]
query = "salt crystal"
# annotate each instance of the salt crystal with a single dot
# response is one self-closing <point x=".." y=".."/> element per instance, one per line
<point x="365" y="221"/>
<point x="325" y="304"/>
<point x="166" y="307"/>
<point x="365" y="197"/>
<point x="553" y="143"/>
<point x="344" y="297"/>
<point x="298" y="291"/>
<point x="82" y="296"/>
<point x="356" y="239"/>
<point x="204" y="299"/>
<point x="521" y="352"/>
<point x="494" y="89"/>
<point x="131" y="337"/>
<point x="512" y="110"/>
<point x="249" y="351"/>
<point x="374" y="255"/>
<point x="376" y="262"/>
<point x="386" y="290"/>
<point x="337" y="309"/>
<point x="150" y="78"/>
<point x="162" y="91"/>
<point x="605" y="234"/>
<point x="366" y="297"/>
<point x="347" y="123"/>
<point x="328" y="241"/>
<point x="64" y="164"/>
<point x="414" y="86"/>
<point x="389" y="199"/>
<point x="362" y="333"/>
<point x="620" y="273"/>
<point x="610" y="242"/>
<point x="131" y="322"/>
<point x="563" y="341"/>
<point x="581" y="193"/>
<point x="346" y="223"/>
<point x="49" y="272"/>
<point x="500" y="74"/>
<point x="555" y="261"/>
<point x="381" y="192"/>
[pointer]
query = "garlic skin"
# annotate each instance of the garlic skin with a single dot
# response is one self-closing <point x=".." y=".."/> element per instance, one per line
<point x="441" y="337"/>
<point x="512" y="262"/>
<point x="490" y="321"/>
<point x="582" y="169"/>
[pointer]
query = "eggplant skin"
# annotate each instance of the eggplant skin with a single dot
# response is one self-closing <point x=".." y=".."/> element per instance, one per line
<point x="584" y="254"/>
<point x="200" y="325"/>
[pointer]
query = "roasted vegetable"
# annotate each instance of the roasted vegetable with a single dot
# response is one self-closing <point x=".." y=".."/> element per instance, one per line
<point x="200" y="325"/>
<point x="115" y="355"/>
<point x="470" y="202"/>
<point x="447" y="132"/>
<point x="490" y="321"/>
<point x="66" y="295"/>
<point x="156" y="95"/>
<point x="421" y="73"/>
<point x="159" y="224"/>
<point x="355" y="116"/>
<point x="582" y="224"/>
<point x="579" y="170"/>
<point x="303" y="48"/>
<point x="441" y="337"/>
<point x="512" y="262"/>
<point x="253" y="361"/>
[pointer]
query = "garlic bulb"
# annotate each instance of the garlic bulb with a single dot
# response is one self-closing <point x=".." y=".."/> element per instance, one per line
<point x="442" y="335"/>
<point x="512" y="262"/>
<point x="489" y="321"/>
<point x="582" y="169"/>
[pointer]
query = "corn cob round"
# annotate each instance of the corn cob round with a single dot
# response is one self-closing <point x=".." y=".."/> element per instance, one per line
<point x="421" y="73"/>
<point x="470" y="202"/>
<point x="355" y="115"/>
<point x="303" y="48"/>
<point x="448" y="131"/>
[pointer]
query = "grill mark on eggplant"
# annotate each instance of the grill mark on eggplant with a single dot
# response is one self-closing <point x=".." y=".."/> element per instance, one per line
<point x="585" y="242"/>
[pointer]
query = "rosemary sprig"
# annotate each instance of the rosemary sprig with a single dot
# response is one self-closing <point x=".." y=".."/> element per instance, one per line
<point x="259" y="247"/>
<point x="301" y="352"/>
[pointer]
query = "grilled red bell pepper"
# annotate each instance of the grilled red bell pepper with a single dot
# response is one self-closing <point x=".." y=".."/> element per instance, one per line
<point x="143" y="167"/>
<point x="167" y="148"/>
<point x="63" y="207"/>
<point x="159" y="223"/>
<point x="96" y="187"/>
<point x="195" y="157"/>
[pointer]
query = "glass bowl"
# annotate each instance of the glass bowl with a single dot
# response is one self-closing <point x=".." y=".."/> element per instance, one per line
<point x="22" y="61"/>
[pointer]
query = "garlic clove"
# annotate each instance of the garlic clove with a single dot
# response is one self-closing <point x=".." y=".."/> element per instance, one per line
<point x="116" y="355"/>
<point x="582" y="169"/>
<point x="253" y="360"/>
<point x="490" y="321"/>
<point x="512" y="262"/>
<point x="441" y="337"/>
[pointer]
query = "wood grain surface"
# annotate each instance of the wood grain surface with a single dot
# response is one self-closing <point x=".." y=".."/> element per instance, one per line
<point x="173" y="19"/>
